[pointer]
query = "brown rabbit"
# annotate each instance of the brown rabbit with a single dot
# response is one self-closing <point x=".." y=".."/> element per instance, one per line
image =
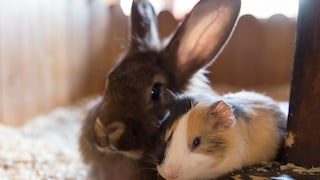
<point x="117" y="136"/>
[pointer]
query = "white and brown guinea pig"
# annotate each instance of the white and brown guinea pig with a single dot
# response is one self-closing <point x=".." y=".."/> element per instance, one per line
<point x="207" y="137"/>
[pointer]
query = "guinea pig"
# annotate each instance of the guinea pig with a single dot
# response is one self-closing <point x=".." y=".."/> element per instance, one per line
<point x="207" y="137"/>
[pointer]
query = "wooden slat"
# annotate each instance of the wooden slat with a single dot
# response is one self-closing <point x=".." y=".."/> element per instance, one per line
<point x="44" y="55"/>
<point x="95" y="70"/>
<point x="278" y="44"/>
<point x="238" y="64"/>
<point x="167" y="24"/>
<point x="259" y="53"/>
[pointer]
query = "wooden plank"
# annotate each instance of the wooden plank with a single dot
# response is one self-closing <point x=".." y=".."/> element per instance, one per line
<point x="44" y="55"/>
<point x="278" y="44"/>
<point x="259" y="53"/>
<point x="167" y="24"/>
<point x="303" y="141"/>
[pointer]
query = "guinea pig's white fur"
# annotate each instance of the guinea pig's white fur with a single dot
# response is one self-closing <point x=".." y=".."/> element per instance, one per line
<point x="235" y="130"/>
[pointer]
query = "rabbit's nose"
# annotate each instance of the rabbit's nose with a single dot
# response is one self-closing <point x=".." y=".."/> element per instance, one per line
<point x="114" y="131"/>
<point x="108" y="136"/>
<point x="111" y="130"/>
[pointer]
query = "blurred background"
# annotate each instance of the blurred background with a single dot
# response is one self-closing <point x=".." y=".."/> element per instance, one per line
<point x="54" y="52"/>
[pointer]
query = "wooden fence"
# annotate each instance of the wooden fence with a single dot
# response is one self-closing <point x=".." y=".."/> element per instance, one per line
<point x="55" y="51"/>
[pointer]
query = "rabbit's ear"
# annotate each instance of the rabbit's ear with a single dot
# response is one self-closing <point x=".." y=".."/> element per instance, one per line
<point x="201" y="36"/>
<point x="144" y="28"/>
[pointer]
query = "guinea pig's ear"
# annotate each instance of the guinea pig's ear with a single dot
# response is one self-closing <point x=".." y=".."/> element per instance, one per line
<point x="201" y="36"/>
<point x="222" y="113"/>
<point x="144" y="27"/>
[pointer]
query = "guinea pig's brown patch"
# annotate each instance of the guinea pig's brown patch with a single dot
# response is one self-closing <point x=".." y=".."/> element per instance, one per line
<point x="196" y="121"/>
<point x="202" y="125"/>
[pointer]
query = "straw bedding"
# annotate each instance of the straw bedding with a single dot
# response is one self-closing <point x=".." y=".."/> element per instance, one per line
<point x="44" y="148"/>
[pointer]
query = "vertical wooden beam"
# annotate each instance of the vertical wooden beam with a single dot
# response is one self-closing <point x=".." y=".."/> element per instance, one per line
<point x="303" y="138"/>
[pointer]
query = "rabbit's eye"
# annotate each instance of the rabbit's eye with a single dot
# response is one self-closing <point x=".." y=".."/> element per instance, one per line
<point x="156" y="92"/>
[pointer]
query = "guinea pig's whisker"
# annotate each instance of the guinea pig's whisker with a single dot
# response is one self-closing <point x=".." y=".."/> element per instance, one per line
<point x="149" y="159"/>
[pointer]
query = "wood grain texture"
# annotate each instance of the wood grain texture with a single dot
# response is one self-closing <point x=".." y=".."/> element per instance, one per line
<point x="44" y="55"/>
<point x="303" y="141"/>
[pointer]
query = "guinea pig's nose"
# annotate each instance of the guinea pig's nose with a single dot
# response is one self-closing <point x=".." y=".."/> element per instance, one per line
<point x="170" y="172"/>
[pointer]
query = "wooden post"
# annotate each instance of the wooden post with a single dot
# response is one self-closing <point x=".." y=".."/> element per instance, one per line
<point x="303" y="138"/>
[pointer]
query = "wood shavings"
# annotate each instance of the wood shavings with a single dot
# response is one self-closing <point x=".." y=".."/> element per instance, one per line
<point x="262" y="169"/>
<point x="289" y="142"/>
<point x="258" y="178"/>
<point x="299" y="169"/>
<point x="44" y="148"/>
<point x="236" y="177"/>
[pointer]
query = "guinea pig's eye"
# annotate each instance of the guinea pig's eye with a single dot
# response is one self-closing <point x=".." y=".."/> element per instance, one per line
<point x="196" y="142"/>
<point x="156" y="92"/>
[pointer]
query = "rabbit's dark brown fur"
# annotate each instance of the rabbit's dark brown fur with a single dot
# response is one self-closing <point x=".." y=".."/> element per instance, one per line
<point x="120" y="130"/>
